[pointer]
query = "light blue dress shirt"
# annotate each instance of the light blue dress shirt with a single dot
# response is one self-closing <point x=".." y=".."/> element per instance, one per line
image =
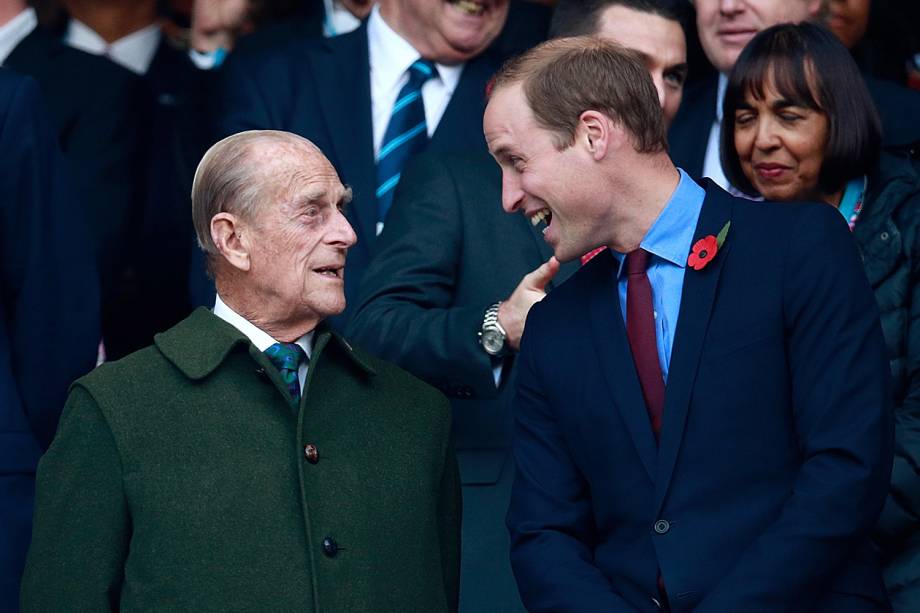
<point x="669" y="241"/>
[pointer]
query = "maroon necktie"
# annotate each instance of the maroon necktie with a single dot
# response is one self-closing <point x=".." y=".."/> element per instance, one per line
<point x="640" y="329"/>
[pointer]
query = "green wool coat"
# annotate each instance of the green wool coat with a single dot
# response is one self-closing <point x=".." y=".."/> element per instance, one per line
<point x="178" y="481"/>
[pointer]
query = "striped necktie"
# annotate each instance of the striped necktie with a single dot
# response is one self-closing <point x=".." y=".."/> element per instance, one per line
<point x="286" y="357"/>
<point x="406" y="134"/>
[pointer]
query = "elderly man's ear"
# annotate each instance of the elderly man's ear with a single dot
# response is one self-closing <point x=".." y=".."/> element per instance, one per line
<point x="231" y="237"/>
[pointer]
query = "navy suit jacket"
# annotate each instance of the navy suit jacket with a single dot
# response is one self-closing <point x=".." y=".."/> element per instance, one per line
<point x="898" y="107"/>
<point x="447" y="253"/>
<point x="49" y="309"/>
<point x="320" y="89"/>
<point x="776" y="442"/>
<point x="101" y="115"/>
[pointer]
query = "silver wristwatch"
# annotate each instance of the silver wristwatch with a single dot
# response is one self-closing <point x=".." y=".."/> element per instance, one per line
<point x="492" y="335"/>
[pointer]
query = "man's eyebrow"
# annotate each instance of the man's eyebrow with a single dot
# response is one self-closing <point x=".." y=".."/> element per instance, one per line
<point x="501" y="151"/>
<point x="682" y="67"/>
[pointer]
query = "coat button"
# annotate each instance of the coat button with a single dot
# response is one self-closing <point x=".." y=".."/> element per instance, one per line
<point x="311" y="453"/>
<point x="330" y="547"/>
<point x="884" y="236"/>
<point x="662" y="526"/>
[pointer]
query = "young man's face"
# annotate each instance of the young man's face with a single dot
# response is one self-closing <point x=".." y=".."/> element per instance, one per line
<point x="660" y="42"/>
<point x="539" y="180"/>
<point x="726" y="26"/>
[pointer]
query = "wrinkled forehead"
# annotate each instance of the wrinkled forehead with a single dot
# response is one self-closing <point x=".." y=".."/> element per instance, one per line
<point x="301" y="168"/>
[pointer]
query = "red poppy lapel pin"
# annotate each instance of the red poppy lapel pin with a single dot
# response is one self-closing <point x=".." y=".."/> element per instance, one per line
<point x="705" y="249"/>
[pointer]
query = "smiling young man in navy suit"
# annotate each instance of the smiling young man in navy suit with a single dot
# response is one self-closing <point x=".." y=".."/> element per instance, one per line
<point x="702" y="418"/>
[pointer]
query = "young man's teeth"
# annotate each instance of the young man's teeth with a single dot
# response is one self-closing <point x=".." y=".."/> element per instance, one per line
<point x="469" y="7"/>
<point x="540" y="216"/>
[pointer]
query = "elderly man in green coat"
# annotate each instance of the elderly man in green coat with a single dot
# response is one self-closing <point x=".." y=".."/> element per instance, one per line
<point x="251" y="459"/>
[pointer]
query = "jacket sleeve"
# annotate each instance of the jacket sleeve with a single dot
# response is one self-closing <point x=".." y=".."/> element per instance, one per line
<point x="550" y="516"/>
<point x="901" y="514"/>
<point x="405" y="309"/>
<point x="81" y="525"/>
<point x="842" y="409"/>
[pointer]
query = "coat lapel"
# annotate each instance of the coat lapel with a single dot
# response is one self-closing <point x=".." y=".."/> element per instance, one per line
<point x="342" y="71"/>
<point x="612" y="346"/>
<point x="697" y="298"/>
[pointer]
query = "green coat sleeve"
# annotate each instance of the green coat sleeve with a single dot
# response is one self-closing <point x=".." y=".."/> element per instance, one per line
<point x="82" y="524"/>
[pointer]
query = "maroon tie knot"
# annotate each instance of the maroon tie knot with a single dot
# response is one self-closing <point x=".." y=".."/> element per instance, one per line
<point x="637" y="262"/>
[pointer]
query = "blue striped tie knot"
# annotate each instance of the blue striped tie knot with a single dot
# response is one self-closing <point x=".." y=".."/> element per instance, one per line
<point x="406" y="134"/>
<point x="287" y="357"/>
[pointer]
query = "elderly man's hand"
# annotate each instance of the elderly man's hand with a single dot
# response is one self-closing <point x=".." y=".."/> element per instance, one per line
<point x="512" y="314"/>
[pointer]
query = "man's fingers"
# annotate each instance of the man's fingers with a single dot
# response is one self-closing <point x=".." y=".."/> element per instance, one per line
<point x="538" y="278"/>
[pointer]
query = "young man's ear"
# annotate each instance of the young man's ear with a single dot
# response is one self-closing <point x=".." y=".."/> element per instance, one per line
<point x="598" y="134"/>
<point x="231" y="237"/>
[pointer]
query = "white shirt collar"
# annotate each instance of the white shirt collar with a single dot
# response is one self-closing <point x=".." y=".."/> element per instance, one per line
<point x="391" y="55"/>
<point x="337" y="19"/>
<point x="134" y="51"/>
<point x="258" y="337"/>
<point x="16" y="29"/>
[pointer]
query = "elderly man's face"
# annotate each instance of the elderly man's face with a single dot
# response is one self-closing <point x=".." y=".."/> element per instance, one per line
<point x="299" y="240"/>
<point x="447" y="31"/>
<point x="726" y="26"/>
<point x="661" y="44"/>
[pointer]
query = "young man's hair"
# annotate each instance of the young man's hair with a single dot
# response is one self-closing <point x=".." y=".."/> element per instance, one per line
<point x="582" y="17"/>
<point x="564" y="77"/>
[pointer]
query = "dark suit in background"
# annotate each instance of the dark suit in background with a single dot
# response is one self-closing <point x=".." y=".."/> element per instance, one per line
<point x="445" y="255"/>
<point x="898" y="107"/>
<point x="49" y="309"/>
<point x="161" y="259"/>
<point x="776" y="441"/>
<point x="100" y="111"/>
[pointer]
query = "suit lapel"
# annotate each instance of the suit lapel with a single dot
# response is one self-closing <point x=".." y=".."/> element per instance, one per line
<point x="460" y="127"/>
<point x="697" y="298"/>
<point x="341" y="68"/>
<point x="609" y="335"/>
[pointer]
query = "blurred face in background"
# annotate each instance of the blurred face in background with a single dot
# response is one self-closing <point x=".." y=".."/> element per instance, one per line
<point x="726" y="26"/>
<point x="848" y="20"/>
<point x="217" y="23"/>
<point x="781" y="144"/>
<point x="358" y="8"/>
<point x="446" y="31"/>
<point x="661" y="44"/>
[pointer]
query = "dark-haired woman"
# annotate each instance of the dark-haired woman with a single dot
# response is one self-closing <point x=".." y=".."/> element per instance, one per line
<point x="799" y="125"/>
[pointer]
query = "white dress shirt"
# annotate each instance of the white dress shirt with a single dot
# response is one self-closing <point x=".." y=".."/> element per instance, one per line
<point x="712" y="163"/>
<point x="14" y="30"/>
<point x="134" y="51"/>
<point x="261" y="339"/>
<point x="390" y="58"/>
<point x="338" y="19"/>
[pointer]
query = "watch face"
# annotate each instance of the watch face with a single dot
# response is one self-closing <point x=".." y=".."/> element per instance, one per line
<point x="493" y="341"/>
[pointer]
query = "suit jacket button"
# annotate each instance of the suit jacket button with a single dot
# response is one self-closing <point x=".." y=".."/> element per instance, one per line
<point x="662" y="526"/>
<point x="330" y="547"/>
<point x="311" y="453"/>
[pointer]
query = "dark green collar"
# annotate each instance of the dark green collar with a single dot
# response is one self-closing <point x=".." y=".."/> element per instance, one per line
<point x="200" y="343"/>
